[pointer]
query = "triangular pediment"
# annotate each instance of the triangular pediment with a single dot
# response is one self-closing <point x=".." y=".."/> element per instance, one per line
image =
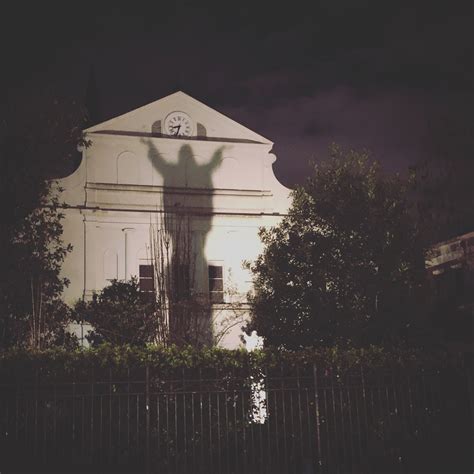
<point x="150" y="118"/>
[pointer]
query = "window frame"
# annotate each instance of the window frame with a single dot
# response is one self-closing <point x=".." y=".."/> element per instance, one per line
<point x="146" y="264"/>
<point x="213" y="300"/>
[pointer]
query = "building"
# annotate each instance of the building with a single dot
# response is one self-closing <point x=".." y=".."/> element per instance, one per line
<point x="174" y="169"/>
<point x="451" y="271"/>
<point x="451" y="275"/>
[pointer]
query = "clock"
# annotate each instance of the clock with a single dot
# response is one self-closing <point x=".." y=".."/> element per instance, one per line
<point x="178" y="124"/>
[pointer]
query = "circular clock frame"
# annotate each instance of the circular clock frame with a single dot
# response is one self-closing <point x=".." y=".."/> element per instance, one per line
<point x="178" y="124"/>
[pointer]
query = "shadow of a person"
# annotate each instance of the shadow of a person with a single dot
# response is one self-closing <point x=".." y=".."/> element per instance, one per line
<point x="187" y="255"/>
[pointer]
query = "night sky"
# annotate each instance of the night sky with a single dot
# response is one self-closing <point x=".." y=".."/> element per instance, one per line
<point x="392" y="77"/>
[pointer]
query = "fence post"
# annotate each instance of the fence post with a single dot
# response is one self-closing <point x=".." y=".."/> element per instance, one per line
<point x="35" y="442"/>
<point x="147" y="418"/>
<point x="316" y="406"/>
<point x="470" y="392"/>
<point x="92" y="457"/>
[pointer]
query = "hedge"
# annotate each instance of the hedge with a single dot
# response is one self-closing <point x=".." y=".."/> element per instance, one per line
<point x="167" y="360"/>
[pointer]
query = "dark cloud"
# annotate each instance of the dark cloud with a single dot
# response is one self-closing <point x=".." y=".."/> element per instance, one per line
<point x="379" y="75"/>
<point x="392" y="126"/>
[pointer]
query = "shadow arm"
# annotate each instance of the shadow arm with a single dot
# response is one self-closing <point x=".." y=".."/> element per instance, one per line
<point x="155" y="157"/>
<point x="216" y="159"/>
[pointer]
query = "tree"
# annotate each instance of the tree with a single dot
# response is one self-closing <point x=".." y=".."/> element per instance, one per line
<point x="120" y="314"/>
<point x="184" y="308"/>
<point x="345" y="264"/>
<point x="31" y="152"/>
<point x="32" y="311"/>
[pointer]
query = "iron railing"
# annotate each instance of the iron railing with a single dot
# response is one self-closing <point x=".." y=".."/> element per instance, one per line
<point x="318" y="420"/>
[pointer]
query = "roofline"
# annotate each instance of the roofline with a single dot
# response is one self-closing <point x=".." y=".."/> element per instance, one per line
<point x="124" y="133"/>
<point x="465" y="236"/>
<point x="95" y="128"/>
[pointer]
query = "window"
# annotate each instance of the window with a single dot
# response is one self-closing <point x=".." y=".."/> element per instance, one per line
<point x="127" y="169"/>
<point x="146" y="279"/>
<point x="216" y="284"/>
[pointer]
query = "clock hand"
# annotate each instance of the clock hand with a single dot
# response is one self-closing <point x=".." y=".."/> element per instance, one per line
<point x="178" y="127"/>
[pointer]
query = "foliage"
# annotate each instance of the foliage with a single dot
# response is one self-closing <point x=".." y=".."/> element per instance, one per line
<point x="201" y="388"/>
<point x="345" y="265"/>
<point x="195" y="322"/>
<point x="120" y="314"/>
<point x="169" y="359"/>
<point x="184" y="309"/>
<point x="184" y="316"/>
<point x="33" y="149"/>
<point x="32" y="311"/>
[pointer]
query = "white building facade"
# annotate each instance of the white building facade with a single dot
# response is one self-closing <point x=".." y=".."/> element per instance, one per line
<point x="174" y="157"/>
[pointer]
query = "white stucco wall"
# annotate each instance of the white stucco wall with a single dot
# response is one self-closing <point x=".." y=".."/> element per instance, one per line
<point x="224" y="181"/>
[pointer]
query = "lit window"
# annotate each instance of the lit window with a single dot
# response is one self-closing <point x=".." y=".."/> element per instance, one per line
<point x="146" y="280"/>
<point x="216" y="284"/>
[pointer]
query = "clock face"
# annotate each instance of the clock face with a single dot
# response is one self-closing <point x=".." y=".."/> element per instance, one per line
<point x="178" y="124"/>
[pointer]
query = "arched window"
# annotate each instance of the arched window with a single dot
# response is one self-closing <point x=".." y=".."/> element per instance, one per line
<point x="127" y="168"/>
<point x="225" y="175"/>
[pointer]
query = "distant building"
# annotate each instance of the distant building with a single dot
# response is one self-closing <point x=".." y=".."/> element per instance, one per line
<point x="451" y="273"/>
<point x="451" y="270"/>
<point x="170" y="165"/>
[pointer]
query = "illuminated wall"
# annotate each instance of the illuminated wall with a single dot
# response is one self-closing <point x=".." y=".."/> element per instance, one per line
<point x="218" y="173"/>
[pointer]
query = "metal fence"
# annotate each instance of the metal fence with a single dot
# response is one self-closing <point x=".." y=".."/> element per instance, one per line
<point x="318" y="420"/>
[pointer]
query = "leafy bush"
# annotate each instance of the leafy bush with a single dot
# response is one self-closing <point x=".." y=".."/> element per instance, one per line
<point x="120" y="314"/>
<point x="166" y="361"/>
<point x="345" y="265"/>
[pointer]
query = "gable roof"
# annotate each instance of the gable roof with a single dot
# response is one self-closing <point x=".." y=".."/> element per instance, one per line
<point x="140" y="121"/>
